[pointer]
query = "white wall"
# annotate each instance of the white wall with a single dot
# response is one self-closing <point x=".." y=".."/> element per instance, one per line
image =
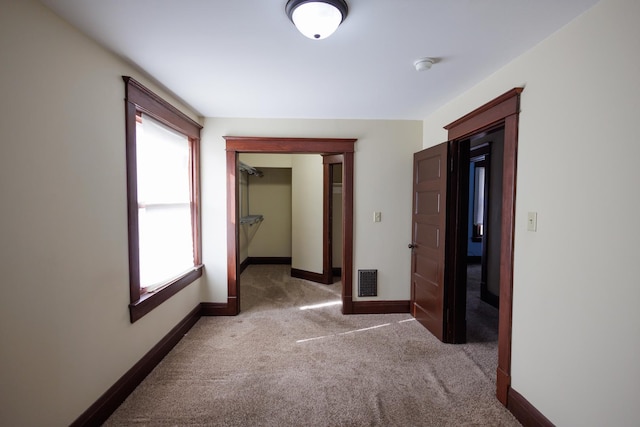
<point x="64" y="318"/>
<point x="383" y="163"/>
<point x="576" y="323"/>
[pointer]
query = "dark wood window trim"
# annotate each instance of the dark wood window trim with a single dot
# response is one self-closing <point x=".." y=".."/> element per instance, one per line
<point x="502" y="111"/>
<point x="139" y="99"/>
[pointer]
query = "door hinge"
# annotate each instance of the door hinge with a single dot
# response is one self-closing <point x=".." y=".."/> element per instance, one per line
<point x="451" y="162"/>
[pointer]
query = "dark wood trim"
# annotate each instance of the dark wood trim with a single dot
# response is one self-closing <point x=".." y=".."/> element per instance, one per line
<point x="487" y="115"/>
<point x="150" y="103"/>
<point x="132" y="201"/>
<point x="243" y="265"/>
<point x="456" y="243"/>
<point x="474" y="259"/>
<point x="503" y="382"/>
<point x="347" y="232"/>
<point x="336" y="271"/>
<point x="380" y="307"/>
<point x="250" y="144"/>
<point x="232" y="230"/>
<point x="219" y="308"/>
<point x="327" y="206"/>
<point x="140" y="99"/>
<point x="502" y="111"/>
<point x="344" y="147"/>
<point x="308" y="275"/>
<point x="332" y="159"/>
<point x="98" y="413"/>
<point x="488" y="297"/>
<point x="252" y="260"/>
<point x="525" y="412"/>
<point x="269" y="260"/>
<point x="151" y="300"/>
<point x="196" y="223"/>
<point x="505" y="314"/>
<point x="328" y="163"/>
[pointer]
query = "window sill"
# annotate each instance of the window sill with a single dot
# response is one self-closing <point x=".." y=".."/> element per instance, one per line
<point x="151" y="300"/>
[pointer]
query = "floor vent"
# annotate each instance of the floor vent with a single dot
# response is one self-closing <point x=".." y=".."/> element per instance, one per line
<point x="367" y="283"/>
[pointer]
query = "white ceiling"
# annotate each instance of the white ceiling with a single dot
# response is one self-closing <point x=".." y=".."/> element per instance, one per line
<point x="244" y="58"/>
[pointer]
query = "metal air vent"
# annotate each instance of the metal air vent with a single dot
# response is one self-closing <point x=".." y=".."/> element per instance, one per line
<point x="367" y="283"/>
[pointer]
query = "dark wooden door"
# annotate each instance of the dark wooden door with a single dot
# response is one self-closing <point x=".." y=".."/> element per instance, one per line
<point x="429" y="218"/>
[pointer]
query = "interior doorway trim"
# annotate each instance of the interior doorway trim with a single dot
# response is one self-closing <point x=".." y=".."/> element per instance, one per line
<point x="324" y="146"/>
<point x="503" y="111"/>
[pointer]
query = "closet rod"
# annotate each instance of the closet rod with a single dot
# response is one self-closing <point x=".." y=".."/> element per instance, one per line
<point x="250" y="170"/>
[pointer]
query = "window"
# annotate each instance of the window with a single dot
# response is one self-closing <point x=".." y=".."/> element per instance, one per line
<point x="163" y="199"/>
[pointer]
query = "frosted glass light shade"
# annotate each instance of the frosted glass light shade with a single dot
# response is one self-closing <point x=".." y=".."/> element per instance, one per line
<point x="317" y="19"/>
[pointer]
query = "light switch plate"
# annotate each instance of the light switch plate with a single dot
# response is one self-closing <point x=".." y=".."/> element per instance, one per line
<point x="532" y="221"/>
<point x="377" y="216"/>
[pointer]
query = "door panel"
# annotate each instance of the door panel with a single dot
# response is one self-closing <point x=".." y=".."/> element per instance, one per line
<point x="428" y="232"/>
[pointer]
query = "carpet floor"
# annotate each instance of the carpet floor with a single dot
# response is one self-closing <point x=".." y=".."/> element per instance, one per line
<point x="290" y="358"/>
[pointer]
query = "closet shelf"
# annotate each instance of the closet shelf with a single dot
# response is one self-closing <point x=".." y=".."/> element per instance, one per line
<point x="251" y="219"/>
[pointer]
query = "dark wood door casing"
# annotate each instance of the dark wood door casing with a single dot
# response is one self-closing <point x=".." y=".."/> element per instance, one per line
<point x="343" y="147"/>
<point x="328" y="161"/>
<point x="502" y="111"/>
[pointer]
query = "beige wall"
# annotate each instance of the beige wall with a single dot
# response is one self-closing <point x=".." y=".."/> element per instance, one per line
<point x="382" y="146"/>
<point x="576" y="323"/>
<point x="64" y="321"/>
<point x="270" y="196"/>
<point x="307" y="203"/>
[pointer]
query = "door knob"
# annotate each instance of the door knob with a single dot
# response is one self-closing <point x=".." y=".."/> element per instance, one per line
<point x="411" y="246"/>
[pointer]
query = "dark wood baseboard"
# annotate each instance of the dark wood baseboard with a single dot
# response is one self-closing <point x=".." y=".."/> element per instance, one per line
<point x="336" y="271"/>
<point x="255" y="260"/>
<point x="503" y="384"/>
<point x="243" y="265"/>
<point x="269" y="260"/>
<point x="219" y="308"/>
<point x="307" y="275"/>
<point x="379" y="307"/>
<point x="525" y="412"/>
<point x="488" y="297"/>
<point x="112" y="398"/>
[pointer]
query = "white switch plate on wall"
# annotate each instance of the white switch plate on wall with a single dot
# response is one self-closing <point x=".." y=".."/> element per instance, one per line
<point x="532" y="221"/>
<point x="377" y="216"/>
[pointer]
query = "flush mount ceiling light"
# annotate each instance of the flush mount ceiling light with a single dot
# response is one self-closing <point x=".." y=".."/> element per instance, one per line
<point x="423" y="64"/>
<point x="317" y="19"/>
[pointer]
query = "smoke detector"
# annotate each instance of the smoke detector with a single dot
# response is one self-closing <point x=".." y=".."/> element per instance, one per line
<point x="423" y="64"/>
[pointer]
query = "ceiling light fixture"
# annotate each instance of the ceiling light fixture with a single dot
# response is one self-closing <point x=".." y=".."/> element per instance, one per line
<point x="317" y="19"/>
<point x="423" y="64"/>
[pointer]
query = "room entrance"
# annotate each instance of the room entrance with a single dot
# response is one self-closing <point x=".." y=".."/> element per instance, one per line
<point x="439" y="228"/>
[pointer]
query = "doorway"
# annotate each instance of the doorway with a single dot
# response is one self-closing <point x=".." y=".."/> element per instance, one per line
<point x="503" y="112"/>
<point x="342" y="151"/>
<point x="439" y="229"/>
<point x="483" y="248"/>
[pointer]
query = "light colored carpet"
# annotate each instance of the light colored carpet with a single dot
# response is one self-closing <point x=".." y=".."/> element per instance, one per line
<point x="283" y="363"/>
